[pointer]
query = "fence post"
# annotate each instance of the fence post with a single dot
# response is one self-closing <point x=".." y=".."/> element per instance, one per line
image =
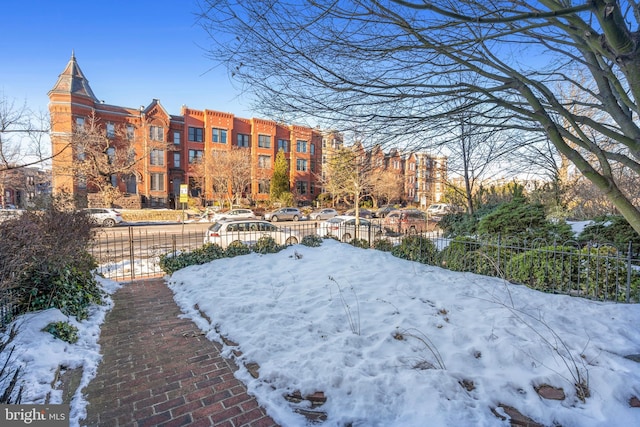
<point x="628" y="296"/>
<point x="132" y="254"/>
<point x="498" y="261"/>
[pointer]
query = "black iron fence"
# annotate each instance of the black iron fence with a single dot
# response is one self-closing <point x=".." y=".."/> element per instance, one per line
<point x="601" y="272"/>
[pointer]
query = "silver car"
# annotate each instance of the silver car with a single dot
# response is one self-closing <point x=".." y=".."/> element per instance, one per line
<point x="223" y="233"/>
<point x="104" y="217"/>
<point x="283" y="214"/>
<point x="323" y="214"/>
<point x="234" y="214"/>
<point x="343" y="228"/>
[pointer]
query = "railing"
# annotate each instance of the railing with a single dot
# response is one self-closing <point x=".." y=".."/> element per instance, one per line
<point x="602" y="273"/>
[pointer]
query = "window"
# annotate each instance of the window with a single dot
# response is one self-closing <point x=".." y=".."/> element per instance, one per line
<point x="301" y="165"/>
<point x="243" y="140"/>
<point x="264" y="162"/>
<point x="81" y="155"/>
<point x="313" y="149"/>
<point x="130" y="131"/>
<point x="176" y="160"/>
<point x="313" y="167"/>
<point x="111" y="155"/>
<point x="111" y="130"/>
<point x="264" y="186"/>
<point x="264" y="141"/>
<point x="283" y="144"/>
<point x="219" y="135"/>
<point x="176" y="138"/>
<point x="301" y="146"/>
<point x="157" y="182"/>
<point x="195" y="156"/>
<point x="196" y="134"/>
<point x="301" y="187"/>
<point x="312" y="189"/>
<point x="156" y="133"/>
<point x="157" y="157"/>
<point x="80" y="123"/>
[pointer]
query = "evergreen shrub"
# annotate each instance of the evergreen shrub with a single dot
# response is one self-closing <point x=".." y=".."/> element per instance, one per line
<point x="311" y="240"/>
<point x="237" y="248"/>
<point x="63" y="330"/>
<point x="267" y="245"/>
<point x="416" y="248"/>
<point x="383" y="245"/>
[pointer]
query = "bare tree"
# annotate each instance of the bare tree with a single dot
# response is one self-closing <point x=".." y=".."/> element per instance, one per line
<point x="386" y="186"/>
<point x="392" y="67"/>
<point x="227" y="173"/>
<point x="22" y="140"/>
<point x="348" y="175"/>
<point x="103" y="157"/>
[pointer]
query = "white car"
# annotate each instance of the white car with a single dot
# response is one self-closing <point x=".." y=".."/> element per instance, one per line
<point x="104" y="217"/>
<point x="223" y="233"/>
<point x="234" y="214"/>
<point x="343" y="228"/>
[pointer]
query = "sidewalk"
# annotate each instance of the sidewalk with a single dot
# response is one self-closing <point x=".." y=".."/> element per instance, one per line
<point x="158" y="370"/>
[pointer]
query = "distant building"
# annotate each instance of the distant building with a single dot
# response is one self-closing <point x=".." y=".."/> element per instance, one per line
<point x="19" y="187"/>
<point x="186" y="140"/>
<point x="175" y="150"/>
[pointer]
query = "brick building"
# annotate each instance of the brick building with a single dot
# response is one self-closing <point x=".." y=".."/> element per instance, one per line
<point x="169" y="146"/>
<point x="171" y="150"/>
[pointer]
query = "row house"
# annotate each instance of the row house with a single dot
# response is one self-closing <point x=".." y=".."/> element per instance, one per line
<point x="21" y="186"/>
<point x="422" y="176"/>
<point x="172" y="150"/>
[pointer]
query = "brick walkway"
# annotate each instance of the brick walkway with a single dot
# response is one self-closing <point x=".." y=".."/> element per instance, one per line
<point x="157" y="370"/>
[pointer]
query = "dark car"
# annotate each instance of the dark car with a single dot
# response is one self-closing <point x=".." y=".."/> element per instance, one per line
<point x="363" y="213"/>
<point x="406" y="221"/>
<point x="383" y="211"/>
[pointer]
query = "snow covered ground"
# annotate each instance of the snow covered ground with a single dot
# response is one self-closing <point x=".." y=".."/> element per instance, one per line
<point x="389" y="342"/>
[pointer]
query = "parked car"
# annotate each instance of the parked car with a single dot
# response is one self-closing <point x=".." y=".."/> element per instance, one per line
<point x="281" y="214"/>
<point x="105" y="217"/>
<point x="8" y="214"/>
<point x="363" y="213"/>
<point x="234" y="214"/>
<point x="343" y="228"/>
<point x="405" y="221"/>
<point x="322" y="214"/>
<point x="383" y="211"/>
<point x="225" y="232"/>
<point x="440" y="209"/>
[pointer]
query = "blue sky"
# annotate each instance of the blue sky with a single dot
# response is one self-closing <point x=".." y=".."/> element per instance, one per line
<point x="131" y="51"/>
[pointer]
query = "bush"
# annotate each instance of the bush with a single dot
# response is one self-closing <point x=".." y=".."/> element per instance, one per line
<point x="611" y="229"/>
<point x="523" y="221"/>
<point x="550" y="268"/>
<point x="63" y="330"/>
<point x="360" y="243"/>
<point x="603" y="274"/>
<point x="267" y="245"/>
<point x="45" y="260"/>
<point x="416" y="248"/>
<point x="383" y="245"/>
<point x="237" y="248"/>
<point x="175" y="261"/>
<point x="311" y="240"/>
<point x="469" y="254"/>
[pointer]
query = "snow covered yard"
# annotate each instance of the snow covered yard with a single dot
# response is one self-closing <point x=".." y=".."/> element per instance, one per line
<point x="387" y="341"/>
<point x="394" y="343"/>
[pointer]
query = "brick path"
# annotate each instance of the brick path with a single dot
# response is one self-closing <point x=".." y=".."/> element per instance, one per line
<point x="157" y="370"/>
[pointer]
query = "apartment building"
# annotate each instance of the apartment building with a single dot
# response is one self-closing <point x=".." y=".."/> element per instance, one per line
<point x="160" y="152"/>
<point x="170" y="150"/>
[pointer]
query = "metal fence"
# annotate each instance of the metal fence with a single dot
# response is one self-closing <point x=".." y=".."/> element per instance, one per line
<point x="598" y="272"/>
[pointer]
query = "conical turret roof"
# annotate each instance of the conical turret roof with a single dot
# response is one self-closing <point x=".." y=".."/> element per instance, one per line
<point x="72" y="81"/>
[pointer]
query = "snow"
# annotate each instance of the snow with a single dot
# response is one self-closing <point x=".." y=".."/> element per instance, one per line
<point x="388" y="341"/>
